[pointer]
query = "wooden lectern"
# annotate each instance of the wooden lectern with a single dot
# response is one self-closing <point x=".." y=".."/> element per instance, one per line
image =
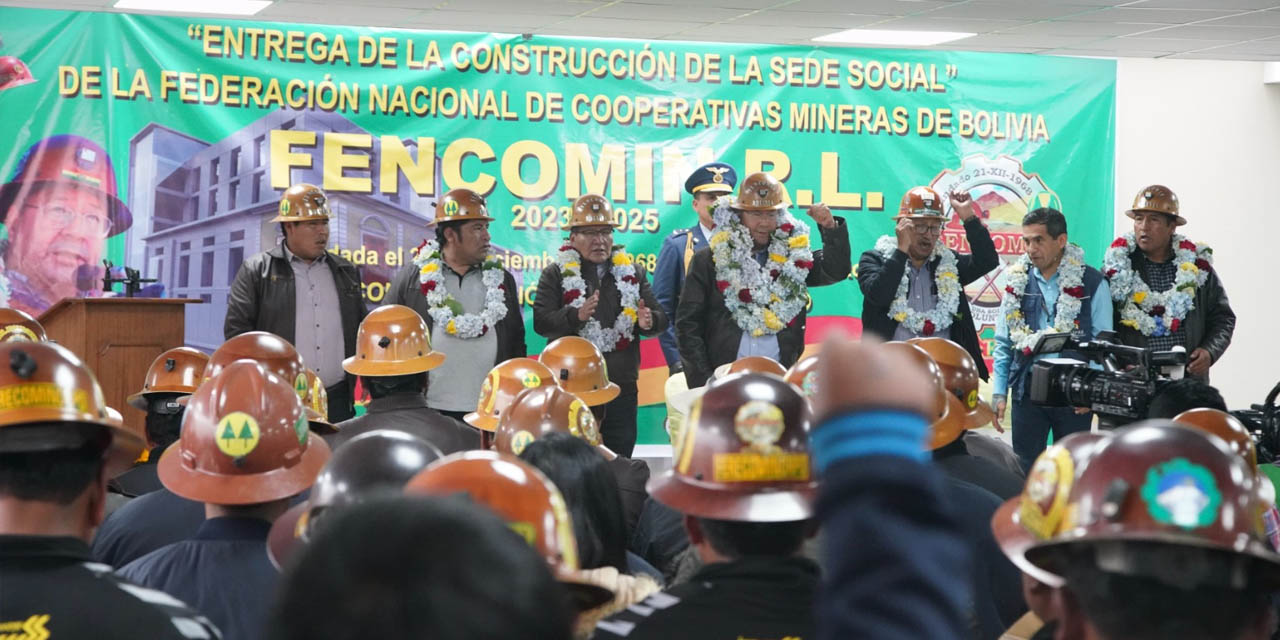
<point x="118" y="338"/>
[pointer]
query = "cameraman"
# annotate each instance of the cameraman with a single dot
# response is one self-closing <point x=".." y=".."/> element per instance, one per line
<point x="1050" y="289"/>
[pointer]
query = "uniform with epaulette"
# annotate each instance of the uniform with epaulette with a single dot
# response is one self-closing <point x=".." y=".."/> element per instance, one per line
<point x="677" y="250"/>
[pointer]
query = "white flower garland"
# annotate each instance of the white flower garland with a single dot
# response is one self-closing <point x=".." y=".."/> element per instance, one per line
<point x="1070" y="293"/>
<point x="1156" y="313"/>
<point x="446" y="311"/>
<point x="623" y="268"/>
<point x="946" y="279"/>
<point x="762" y="300"/>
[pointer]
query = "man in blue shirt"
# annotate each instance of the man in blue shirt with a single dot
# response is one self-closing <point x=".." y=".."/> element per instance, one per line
<point x="1051" y="289"/>
<point x="705" y="184"/>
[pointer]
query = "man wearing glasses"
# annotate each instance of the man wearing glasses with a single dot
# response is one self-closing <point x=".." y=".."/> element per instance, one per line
<point x="597" y="291"/>
<point x="59" y="208"/>
<point x="913" y="285"/>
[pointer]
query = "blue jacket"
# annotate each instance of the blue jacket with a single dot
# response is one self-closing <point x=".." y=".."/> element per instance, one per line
<point x="896" y="565"/>
<point x="144" y="524"/>
<point x="668" y="280"/>
<point x="223" y="572"/>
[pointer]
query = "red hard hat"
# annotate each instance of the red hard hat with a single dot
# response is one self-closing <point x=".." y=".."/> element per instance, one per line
<point x="13" y="73"/>
<point x="66" y="160"/>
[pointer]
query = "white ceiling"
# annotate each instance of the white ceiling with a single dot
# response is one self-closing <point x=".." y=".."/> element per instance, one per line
<point x="1203" y="29"/>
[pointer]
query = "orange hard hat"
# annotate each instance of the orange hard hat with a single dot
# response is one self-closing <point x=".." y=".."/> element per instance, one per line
<point x="303" y="203"/>
<point x="921" y="202"/>
<point x="591" y="210"/>
<point x="502" y="384"/>
<point x="461" y="205"/>
<point x="579" y="367"/>
<point x="1159" y="199"/>
<point x="541" y="410"/>
<point x="757" y="364"/>
<point x="274" y="353"/>
<point x="1225" y="426"/>
<point x="178" y="370"/>
<point x="244" y="440"/>
<point x="49" y="400"/>
<point x="393" y="340"/>
<point x="526" y="499"/>
<point x="960" y="376"/>
<point x="760" y="191"/>
<point x="315" y="403"/>
<point x="947" y="413"/>
<point x="804" y="375"/>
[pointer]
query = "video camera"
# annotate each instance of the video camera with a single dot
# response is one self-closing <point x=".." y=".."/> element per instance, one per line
<point x="1120" y="392"/>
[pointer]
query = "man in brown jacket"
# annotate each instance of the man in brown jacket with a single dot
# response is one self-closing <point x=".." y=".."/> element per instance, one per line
<point x="597" y="291"/>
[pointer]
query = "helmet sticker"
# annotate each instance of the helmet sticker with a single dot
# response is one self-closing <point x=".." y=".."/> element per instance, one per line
<point x="451" y="208"/>
<point x="1044" y="499"/>
<point x="237" y="434"/>
<point x="41" y="395"/>
<point x="809" y="385"/>
<point x="284" y="207"/>
<point x="487" y="396"/>
<point x="300" y="428"/>
<point x="760" y="425"/>
<point x="971" y="399"/>
<point x="520" y="440"/>
<point x="531" y="380"/>
<point x="1181" y="493"/>
<point x="582" y="423"/>
<point x="300" y="386"/>
<point x="17" y="333"/>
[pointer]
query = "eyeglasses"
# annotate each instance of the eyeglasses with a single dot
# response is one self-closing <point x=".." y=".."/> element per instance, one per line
<point x="63" y="217"/>
<point x="927" y="229"/>
<point x="597" y="234"/>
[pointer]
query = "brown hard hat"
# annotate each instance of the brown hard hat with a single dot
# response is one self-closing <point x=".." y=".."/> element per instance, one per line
<point x="274" y="353"/>
<point x="373" y="463"/>
<point x="947" y="412"/>
<point x="461" y="205"/>
<point x="315" y="403"/>
<point x="960" y="376"/>
<point x="178" y="370"/>
<point x="579" y="367"/>
<point x="760" y="191"/>
<point x="804" y="375"/>
<point x="502" y="384"/>
<point x="49" y="400"/>
<point x="1159" y="199"/>
<point x="1159" y="489"/>
<point x="752" y="364"/>
<point x="303" y="203"/>
<point x="921" y="202"/>
<point x="393" y="341"/>
<point x="244" y="440"/>
<point x="542" y="410"/>
<point x="526" y="499"/>
<point x="1039" y="513"/>
<point x="591" y="210"/>
<point x="1225" y="426"/>
<point x="16" y="324"/>
<point x="744" y="454"/>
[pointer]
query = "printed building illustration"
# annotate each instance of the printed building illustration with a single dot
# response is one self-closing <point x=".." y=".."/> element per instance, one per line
<point x="201" y="208"/>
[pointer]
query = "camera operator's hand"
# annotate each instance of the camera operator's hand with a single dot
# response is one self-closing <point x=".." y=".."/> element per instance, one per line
<point x="999" y="403"/>
<point x="863" y="375"/>
<point x="1199" y="362"/>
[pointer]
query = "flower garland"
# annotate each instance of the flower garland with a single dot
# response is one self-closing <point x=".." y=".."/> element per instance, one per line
<point x="620" y="335"/>
<point x="447" y="311"/>
<point x="762" y="300"/>
<point x="946" y="279"/>
<point x="1156" y="313"/>
<point x="1070" y="293"/>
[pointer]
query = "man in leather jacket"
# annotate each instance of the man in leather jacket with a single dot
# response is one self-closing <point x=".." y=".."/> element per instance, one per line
<point x="285" y="290"/>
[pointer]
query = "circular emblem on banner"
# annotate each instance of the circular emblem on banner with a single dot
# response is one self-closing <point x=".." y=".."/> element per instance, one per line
<point x="237" y="434"/>
<point x="759" y="424"/>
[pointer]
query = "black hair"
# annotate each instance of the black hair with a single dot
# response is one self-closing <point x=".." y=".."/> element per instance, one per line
<point x="1052" y="219"/>
<point x="383" y="386"/>
<point x="1126" y="607"/>
<point x="456" y="225"/>
<point x="1181" y="395"/>
<point x="742" y="539"/>
<point x="57" y="476"/>
<point x="163" y="423"/>
<point x="591" y="491"/>
<point x="400" y="568"/>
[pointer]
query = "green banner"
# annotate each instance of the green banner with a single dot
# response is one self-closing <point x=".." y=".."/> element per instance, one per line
<point x="197" y="125"/>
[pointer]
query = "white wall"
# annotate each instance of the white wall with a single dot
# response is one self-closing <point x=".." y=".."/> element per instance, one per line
<point x="1210" y="130"/>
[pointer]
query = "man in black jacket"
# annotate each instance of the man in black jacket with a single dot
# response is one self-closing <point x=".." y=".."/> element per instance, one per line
<point x="1153" y="257"/>
<point x="467" y="298"/>
<point x="718" y="318"/>
<point x="933" y="302"/>
<point x="582" y="295"/>
<point x="304" y="294"/>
